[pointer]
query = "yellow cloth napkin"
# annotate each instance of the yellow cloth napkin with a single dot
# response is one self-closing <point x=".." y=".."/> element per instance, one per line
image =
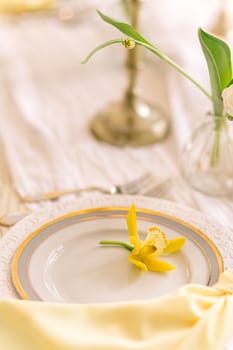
<point x="17" y="6"/>
<point x="193" y="318"/>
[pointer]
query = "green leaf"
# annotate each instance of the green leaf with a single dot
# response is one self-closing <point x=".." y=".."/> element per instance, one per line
<point x="128" y="30"/>
<point x="230" y="83"/>
<point x="125" y="28"/>
<point x="218" y="58"/>
<point x="139" y="40"/>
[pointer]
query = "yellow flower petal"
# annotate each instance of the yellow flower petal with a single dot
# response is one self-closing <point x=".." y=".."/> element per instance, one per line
<point x="136" y="261"/>
<point x="156" y="240"/>
<point x="174" y="245"/>
<point x="148" y="250"/>
<point x="145" y="253"/>
<point x="157" y="265"/>
<point x="132" y="227"/>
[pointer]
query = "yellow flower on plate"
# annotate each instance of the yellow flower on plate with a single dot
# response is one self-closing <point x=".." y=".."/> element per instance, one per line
<point x="145" y="253"/>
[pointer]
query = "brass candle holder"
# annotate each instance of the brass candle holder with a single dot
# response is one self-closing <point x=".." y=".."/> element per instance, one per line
<point x="130" y="121"/>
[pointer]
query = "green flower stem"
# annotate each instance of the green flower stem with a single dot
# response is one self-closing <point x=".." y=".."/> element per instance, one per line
<point x="158" y="53"/>
<point x="216" y="148"/>
<point x="121" y="244"/>
<point x="107" y="43"/>
<point x="219" y="124"/>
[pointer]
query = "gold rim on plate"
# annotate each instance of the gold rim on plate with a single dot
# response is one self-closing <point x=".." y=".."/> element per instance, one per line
<point x="15" y="262"/>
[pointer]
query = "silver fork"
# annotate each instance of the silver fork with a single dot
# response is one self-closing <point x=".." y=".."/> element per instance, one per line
<point x="145" y="185"/>
<point x="131" y="187"/>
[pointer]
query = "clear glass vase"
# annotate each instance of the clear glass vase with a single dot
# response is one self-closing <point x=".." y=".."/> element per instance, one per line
<point x="207" y="158"/>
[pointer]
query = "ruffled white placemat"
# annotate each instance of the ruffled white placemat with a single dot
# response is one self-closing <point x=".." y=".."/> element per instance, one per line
<point x="9" y="243"/>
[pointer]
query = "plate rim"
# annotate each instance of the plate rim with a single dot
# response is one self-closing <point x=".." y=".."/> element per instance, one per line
<point x="15" y="261"/>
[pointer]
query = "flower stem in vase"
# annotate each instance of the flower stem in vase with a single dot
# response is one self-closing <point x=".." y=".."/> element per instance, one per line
<point x="216" y="149"/>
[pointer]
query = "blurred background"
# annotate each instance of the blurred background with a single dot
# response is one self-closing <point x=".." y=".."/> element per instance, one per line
<point x="48" y="98"/>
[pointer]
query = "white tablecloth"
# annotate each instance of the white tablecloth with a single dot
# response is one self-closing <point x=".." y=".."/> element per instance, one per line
<point x="49" y="97"/>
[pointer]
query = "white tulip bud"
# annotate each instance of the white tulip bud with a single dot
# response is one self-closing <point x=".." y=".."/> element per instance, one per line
<point x="227" y="96"/>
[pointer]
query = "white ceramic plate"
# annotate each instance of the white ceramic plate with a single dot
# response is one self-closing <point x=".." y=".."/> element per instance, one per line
<point x="62" y="261"/>
<point x="10" y="242"/>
